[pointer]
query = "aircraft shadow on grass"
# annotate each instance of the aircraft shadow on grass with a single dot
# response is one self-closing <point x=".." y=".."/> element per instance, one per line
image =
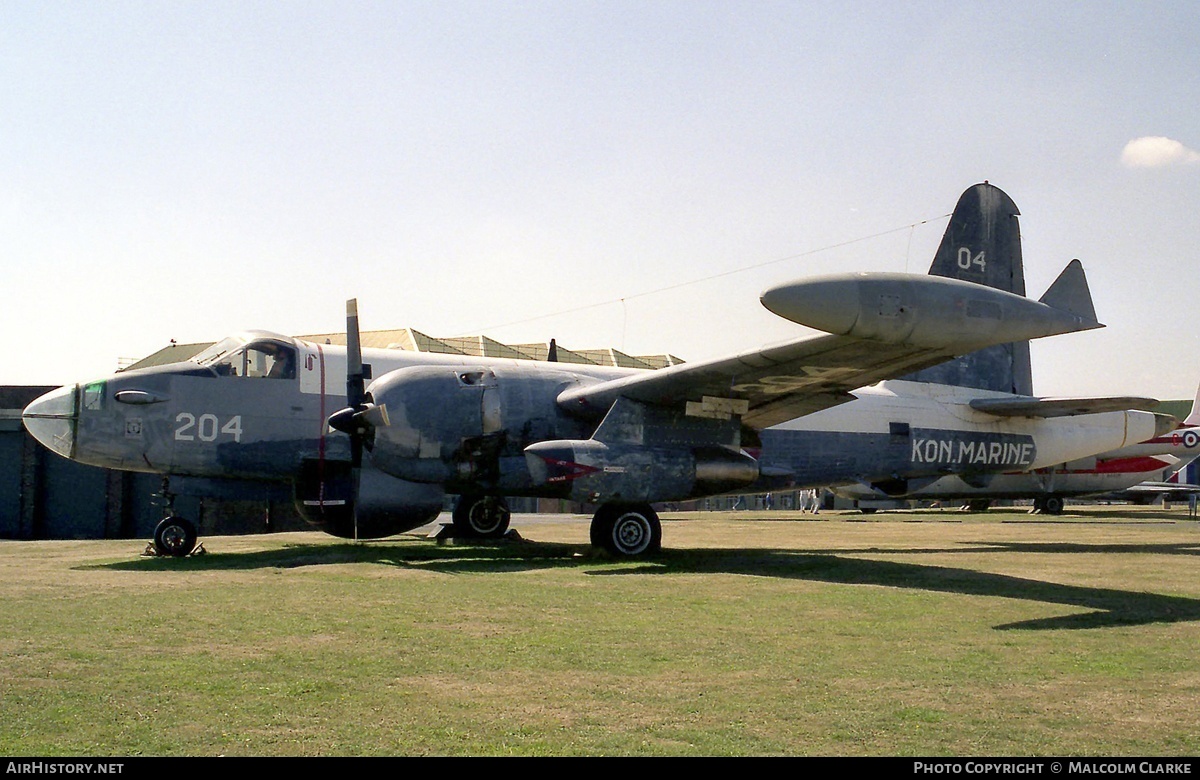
<point x="1108" y="606"/>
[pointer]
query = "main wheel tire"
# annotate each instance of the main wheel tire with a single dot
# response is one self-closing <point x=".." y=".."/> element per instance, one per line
<point x="627" y="531"/>
<point x="600" y="528"/>
<point x="174" y="536"/>
<point x="481" y="517"/>
<point x="1053" y="505"/>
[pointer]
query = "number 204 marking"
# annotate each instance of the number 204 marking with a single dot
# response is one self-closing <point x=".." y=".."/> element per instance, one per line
<point x="206" y="427"/>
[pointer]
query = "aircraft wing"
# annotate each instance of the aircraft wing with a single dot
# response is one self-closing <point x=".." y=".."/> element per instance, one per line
<point x="1060" y="407"/>
<point x="766" y="386"/>
<point x="881" y="326"/>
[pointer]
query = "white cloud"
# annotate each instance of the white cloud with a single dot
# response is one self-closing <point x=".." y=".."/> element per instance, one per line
<point x="1155" y="151"/>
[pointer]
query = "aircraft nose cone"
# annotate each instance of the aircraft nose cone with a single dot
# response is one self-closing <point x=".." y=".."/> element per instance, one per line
<point x="51" y="419"/>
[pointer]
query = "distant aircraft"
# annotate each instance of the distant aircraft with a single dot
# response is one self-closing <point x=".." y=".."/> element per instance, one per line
<point x="378" y="458"/>
<point x="1150" y="492"/>
<point x="964" y="426"/>
<point x="1136" y="473"/>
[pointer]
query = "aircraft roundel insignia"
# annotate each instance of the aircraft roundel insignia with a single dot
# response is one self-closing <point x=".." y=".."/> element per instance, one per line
<point x="1190" y="439"/>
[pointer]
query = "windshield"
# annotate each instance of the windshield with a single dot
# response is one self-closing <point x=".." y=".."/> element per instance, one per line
<point x="218" y="351"/>
<point x="259" y="358"/>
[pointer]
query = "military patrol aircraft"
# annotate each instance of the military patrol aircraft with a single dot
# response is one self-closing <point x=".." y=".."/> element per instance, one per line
<point x="971" y="427"/>
<point x="269" y="408"/>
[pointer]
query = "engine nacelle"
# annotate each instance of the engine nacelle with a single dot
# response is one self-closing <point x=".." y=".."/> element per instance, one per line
<point x="324" y="497"/>
<point x="464" y="427"/>
<point x="591" y="471"/>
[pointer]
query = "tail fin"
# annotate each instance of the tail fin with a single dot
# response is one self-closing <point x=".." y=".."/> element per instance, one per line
<point x="1193" y="417"/>
<point x="982" y="244"/>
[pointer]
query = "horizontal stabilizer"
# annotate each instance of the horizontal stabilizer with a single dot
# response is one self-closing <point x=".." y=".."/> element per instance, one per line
<point x="1162" y="488"/>
<point x="1060" y="407"/>
<point x="1070" y="293"/>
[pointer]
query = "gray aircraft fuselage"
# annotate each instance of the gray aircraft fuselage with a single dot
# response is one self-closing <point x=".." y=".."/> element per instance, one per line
<point x="230" y="414"/>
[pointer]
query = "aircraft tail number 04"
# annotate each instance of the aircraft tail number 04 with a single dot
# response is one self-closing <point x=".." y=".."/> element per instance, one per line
<point x="966" y="259"/>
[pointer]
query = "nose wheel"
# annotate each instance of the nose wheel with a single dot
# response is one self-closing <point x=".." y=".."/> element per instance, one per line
<point x="174" y="536"/>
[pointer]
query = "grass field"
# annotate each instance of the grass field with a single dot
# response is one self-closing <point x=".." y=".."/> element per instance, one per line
<point x="908" y="633"/>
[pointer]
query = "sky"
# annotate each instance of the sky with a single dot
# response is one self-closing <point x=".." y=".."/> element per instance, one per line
<point x="608" y="174"/>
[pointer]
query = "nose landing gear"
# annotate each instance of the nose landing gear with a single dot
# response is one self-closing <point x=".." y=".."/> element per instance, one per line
<point x="173" y="536"/>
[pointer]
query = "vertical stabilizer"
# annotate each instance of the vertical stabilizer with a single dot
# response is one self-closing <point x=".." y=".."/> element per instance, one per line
<point x="1193" y="417"/>
<point x="982" y="244"/>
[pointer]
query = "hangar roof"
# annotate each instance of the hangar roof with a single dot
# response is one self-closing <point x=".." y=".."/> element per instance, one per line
<point x="416" y="341"/>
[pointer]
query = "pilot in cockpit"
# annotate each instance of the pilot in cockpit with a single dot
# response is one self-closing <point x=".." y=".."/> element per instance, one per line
<point x="282" y="366"/>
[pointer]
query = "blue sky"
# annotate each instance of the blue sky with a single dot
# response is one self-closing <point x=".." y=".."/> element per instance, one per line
<point x="627" y="174"/>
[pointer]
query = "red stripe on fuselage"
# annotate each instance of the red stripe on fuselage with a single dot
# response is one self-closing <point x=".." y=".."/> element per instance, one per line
<point x="1130" y="465"/>
<point x="1139" y="465"/>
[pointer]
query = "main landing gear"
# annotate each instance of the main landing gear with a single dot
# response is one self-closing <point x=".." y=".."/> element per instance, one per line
<point x="1050" y="505"/>
<point x="481" y="517"/>
<point x="627" y="530"/>
<point x="623" y="530"/>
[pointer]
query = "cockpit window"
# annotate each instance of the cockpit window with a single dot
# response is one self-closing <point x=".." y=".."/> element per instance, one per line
<point x="280" y="360"/>
<point x="259" y="359"/>
<point x="93" y="396"/>
<point x="217" y="352"/>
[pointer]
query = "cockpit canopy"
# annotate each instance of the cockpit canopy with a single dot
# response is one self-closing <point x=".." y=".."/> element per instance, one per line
<point x="251" y="355"/>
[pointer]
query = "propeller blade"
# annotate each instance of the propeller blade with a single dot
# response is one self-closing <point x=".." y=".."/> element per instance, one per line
<point x="352" y="417"/>
<point x="356" y="448"/>
<point x="359" y="418"/>
<point x="376" y="416"/>
<point x="354" y="366"/>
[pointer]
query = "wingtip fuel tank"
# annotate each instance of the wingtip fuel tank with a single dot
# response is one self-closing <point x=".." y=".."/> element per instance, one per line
<point x="926" y="311"/>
